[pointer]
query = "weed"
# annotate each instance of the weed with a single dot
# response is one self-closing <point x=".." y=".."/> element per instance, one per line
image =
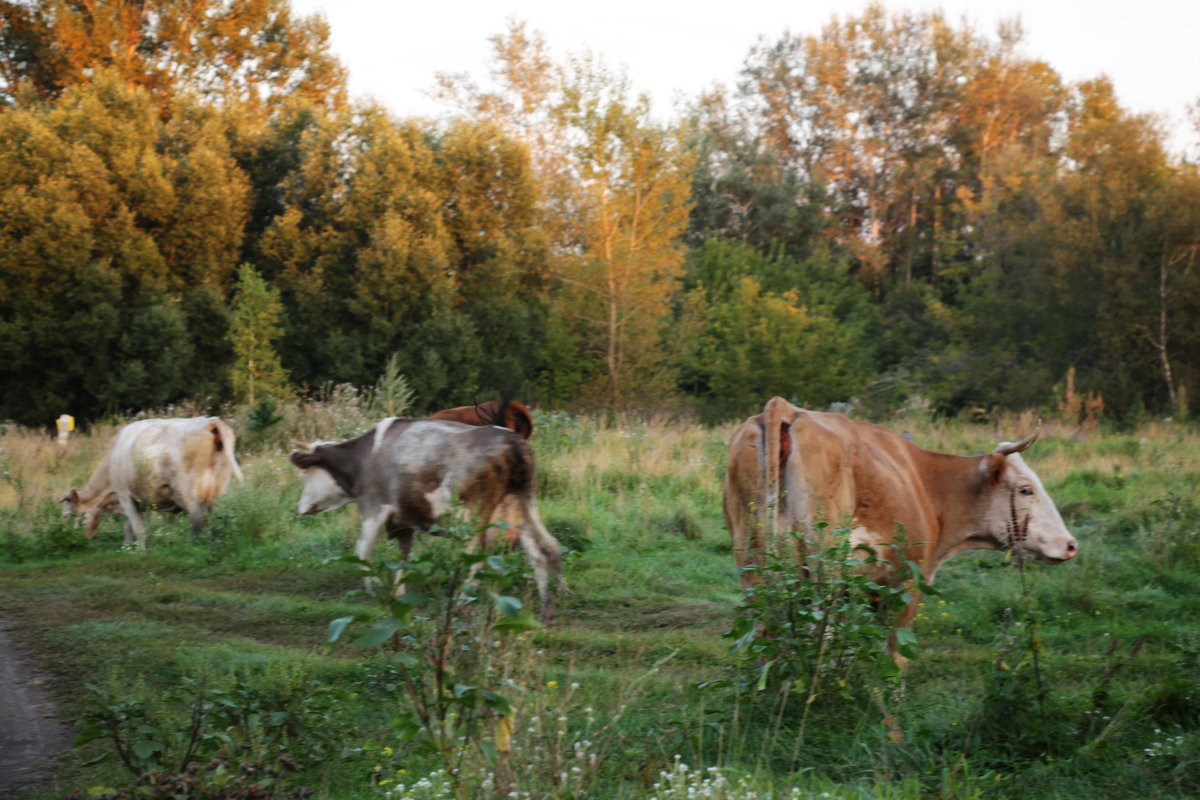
<point x="441" y="609"/>
<point x="1176" y="538"/>
<point x="812" y="633"/>
<point x="287" y="722"/>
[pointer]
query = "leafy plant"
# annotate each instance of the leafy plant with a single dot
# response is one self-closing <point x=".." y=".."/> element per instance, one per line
<point x="813" y="631"/>
<point x="442" y="611"/>
<point x="1176" y="538"/>
<point x="291" y="723"/>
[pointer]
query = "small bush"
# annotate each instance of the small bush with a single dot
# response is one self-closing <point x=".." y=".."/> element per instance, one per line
<point x="284" y="717"/>
<point x="812" y="634"/>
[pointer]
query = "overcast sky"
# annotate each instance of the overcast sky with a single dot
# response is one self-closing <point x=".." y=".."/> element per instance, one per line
<point x="673" y="49"/>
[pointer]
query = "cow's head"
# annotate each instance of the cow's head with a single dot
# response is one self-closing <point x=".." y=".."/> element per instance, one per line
<point x="72" y="504"/>
<point x="68" y="502"/>
<point x="1018" y="513"/>
<point x="321" y="491"/>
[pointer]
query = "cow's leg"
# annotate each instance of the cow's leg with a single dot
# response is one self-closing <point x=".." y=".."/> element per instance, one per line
<point x="404" y="538"/>
<point x="904" y="621"/>
<point x="133" y="521"/>
<point x="542" y="551"/>
<point x="198" y="514"/>
<point x="371" y="524"/>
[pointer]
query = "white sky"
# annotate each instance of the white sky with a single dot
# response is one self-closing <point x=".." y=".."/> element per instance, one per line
<point x="674" y="49"/>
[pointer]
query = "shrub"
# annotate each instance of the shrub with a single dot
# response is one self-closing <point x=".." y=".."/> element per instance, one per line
<point x="813" y="632"/>
<point x="280" y="721"/>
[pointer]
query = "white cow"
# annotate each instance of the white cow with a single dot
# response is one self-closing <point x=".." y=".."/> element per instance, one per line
<point x="159" y="464"/>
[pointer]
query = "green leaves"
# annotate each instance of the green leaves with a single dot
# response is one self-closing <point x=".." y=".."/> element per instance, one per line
<point x="459" y="608"/>
<point x="812" y="629"/>
<point x="197" y="720"/>
<point x="339" y="625"/>
<point x="906" y="642"/>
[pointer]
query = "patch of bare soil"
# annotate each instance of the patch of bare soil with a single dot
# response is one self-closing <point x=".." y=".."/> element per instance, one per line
<point x="29" y="732"/>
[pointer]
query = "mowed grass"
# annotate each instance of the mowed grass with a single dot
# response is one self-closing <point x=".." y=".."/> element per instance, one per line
<point x="652" y="588"/>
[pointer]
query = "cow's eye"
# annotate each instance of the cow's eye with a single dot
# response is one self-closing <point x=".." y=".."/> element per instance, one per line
<point x="1026" y="490"/>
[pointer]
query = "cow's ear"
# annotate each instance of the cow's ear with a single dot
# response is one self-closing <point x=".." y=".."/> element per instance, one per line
<point x="306" y="460"/>
<point x="71" y="497"/>
<point x="993" y="467"/>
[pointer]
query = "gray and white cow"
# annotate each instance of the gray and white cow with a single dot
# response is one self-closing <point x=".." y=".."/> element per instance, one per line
<point x="405" y="474"/>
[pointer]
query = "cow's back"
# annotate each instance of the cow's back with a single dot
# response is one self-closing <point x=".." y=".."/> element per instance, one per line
<point x="860" y="476"/>
<point x="423" y="465"/>
<point x="162" y="461"/>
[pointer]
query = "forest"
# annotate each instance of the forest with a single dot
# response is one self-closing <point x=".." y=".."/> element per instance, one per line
<point x="894" y="211"/>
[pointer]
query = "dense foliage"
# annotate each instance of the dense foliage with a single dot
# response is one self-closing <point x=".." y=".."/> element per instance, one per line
<point x="891" y="208"/>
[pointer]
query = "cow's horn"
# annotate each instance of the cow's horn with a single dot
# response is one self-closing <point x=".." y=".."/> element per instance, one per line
<point x="1008" y="448"/>
<point x="304" y="445"/>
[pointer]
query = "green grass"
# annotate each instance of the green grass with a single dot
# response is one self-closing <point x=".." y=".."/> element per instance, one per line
<point x="652" y="586"/>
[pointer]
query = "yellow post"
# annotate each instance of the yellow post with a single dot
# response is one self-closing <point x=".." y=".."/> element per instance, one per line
<point x="65" y="424"/>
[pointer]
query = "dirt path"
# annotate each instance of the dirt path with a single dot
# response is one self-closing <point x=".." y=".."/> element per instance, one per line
<point x="29" y="733"/>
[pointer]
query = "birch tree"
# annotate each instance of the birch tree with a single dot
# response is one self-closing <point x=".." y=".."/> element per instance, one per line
<point x="627" y="215"/>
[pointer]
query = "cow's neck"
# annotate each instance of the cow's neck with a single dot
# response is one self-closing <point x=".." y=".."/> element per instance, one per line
<point x="955" y="486"/>
<point x="96" y="492"/>
<point x="344" y="461"/>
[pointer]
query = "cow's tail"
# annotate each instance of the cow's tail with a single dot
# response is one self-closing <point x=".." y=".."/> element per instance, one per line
<point x="777" y="443"/>
<point x="506" y="413"/>
<point x="224" y="441"/>
<point x="516" y="416"/>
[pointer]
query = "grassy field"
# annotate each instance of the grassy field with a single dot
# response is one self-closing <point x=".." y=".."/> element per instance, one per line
<point x="609" y="699"/>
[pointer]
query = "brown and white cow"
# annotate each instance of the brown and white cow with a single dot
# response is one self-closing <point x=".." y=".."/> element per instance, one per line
<point x="159" y="464"/>
<point x="510" y="414"/>
<point x="803" y="466"/>
<point x="406" y="473"/>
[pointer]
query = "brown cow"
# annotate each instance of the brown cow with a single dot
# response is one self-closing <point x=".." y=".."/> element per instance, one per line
<point x="162" y="464"/>
<point x="406" y="473"/>
<point x="803" y="466"/>
<point x="509" y="414"/>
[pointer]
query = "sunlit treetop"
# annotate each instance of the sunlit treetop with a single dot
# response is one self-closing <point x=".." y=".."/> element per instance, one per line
<point x="252" y="51"/>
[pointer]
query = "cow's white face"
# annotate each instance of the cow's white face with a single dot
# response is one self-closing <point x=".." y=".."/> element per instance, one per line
<point x="321" y="492"/>
<point x="1015" y="487"/>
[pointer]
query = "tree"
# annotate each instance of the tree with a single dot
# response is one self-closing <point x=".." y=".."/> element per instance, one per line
<point x="366" y="262"/>
<point x="500" y="249"/>
<point x="613" y="197"/>
<point x="742" y="189"/>
<point x="95" y="307"/>
<point x="755" y="325"/>
<point x="254" y="327"/>
<point x="251" y="52"/>
<point x="629" y="212"/>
